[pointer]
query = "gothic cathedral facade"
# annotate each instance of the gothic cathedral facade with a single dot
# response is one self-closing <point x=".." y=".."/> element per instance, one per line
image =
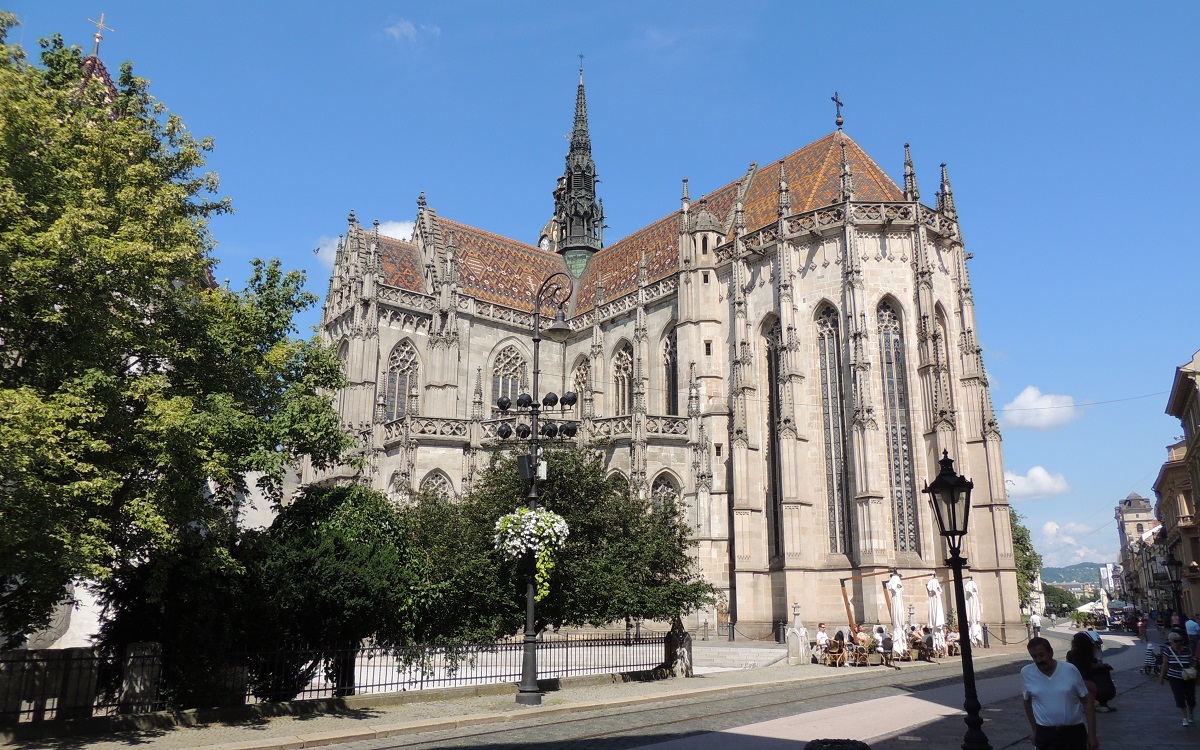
<point x="789" y="356"/>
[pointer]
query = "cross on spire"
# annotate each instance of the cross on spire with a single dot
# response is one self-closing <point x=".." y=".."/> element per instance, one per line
<point x="581" y="67"/>
<point x="838" y="103"/>
<point x="98" y="36"/>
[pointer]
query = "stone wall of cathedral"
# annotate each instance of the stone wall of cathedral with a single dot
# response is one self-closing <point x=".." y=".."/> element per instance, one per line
<point x="816" y="383"/>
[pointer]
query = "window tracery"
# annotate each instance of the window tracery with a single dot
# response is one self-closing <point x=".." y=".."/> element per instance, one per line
<point x="773" y="337"/>
<point x="403" y="370"/>
<point x="581" y="382"/>
<point x="671" y="374"/>
<point x="623" y="381"/>
<point x="897" y="434"/>
<point x="508" y="374"/>
<point x="829" y="350"/>
<point x="439" y="485"/>
<point x="663" y="490"/>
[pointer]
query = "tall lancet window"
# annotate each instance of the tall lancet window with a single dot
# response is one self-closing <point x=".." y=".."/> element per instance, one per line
<point x="402" y="372"/>
<point x="671" y="374"/>
<point x="829" y="351"/>
<point x="774" y="351"/>
<point x="898" y="435"/>
<point x="581" y="383"/>
<point x="622" y="402"/>
<point x="944" y="370"/>
<point x="508" y="374"/>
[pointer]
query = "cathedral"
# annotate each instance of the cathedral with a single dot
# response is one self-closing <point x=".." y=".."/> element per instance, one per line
<point x="787" y="355"/>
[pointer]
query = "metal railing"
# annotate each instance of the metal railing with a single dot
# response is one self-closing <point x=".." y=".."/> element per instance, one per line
<point x="80" y="683"/>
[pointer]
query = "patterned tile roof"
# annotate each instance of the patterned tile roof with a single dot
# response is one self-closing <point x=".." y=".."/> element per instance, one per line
<point x="496" y="269"/>
<point x="401" y="261"/>
<point x="507" y="272"/>
<point x="616" y="266"/>
<point x="814" y="180"/>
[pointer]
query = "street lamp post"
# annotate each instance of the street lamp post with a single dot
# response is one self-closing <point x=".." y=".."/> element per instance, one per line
<point x="555" y="291"/>
<point x="951" y="497"/>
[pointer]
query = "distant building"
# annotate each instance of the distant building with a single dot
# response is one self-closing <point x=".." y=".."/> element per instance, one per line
<point x="788" y="356"/>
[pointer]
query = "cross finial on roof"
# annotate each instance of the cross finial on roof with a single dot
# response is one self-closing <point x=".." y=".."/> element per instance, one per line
<point x="838" y="103"/>
<point x="98" y="36"/>
<point x="581" y="67"/>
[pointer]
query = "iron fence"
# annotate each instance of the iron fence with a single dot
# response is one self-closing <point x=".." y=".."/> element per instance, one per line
<point x="79" y="683"/>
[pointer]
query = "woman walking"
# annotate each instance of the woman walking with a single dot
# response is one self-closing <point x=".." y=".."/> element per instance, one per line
<point x="1082" y="656"/>
<point x="1177" y="665"/>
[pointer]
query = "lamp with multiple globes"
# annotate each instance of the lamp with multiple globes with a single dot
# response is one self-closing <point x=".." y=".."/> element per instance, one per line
<point x="555" y="291"/>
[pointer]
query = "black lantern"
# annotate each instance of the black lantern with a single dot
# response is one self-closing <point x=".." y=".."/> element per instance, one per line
<point x="1174" y="569"/>
<point x="951" y="496"/>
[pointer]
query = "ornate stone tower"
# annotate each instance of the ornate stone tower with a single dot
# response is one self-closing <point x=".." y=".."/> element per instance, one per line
<point x="577" y="230"/>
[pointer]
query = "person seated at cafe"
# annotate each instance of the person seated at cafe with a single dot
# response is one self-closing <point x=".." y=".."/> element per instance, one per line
<point x="822" y="642"/>
<point x="951" y="640"/>
<point x="863" y="640"/>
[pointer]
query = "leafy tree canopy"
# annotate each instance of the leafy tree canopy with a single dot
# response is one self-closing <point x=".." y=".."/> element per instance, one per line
<point x="136" y="395"/>
<point x="1029" y="562"/>
<point x="623" y="558"/>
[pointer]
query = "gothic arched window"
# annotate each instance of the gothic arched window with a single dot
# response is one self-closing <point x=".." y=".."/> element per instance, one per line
<point x="942" y="346"/>
<point x="897" y="435"/>
<point x="670" y="354"/>
<point x="829" y="351"/>
<point x="508" y="374"/>
<point x="663" y="490"/>
<point x="403" y="369"/>
<point x="343" y="355"/>
<point x="439" y="485"/>
<point x="623" y="381"/>
<point x="581" y="383"/>
<point x="773" y="338"/>
<point x="1140" y="528"/>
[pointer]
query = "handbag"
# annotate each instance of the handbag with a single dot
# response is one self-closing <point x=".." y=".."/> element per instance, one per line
<point x="1189" y="673"/>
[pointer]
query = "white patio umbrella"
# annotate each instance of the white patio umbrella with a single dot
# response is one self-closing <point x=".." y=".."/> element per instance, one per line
<point x="974" y="613"/>
<point x="937" y="613"/>
<point x="895" y="589"/>
<point x="1091" y="608"/>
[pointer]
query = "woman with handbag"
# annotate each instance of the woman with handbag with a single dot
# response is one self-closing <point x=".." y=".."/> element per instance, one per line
<point x="1179" y="668"/>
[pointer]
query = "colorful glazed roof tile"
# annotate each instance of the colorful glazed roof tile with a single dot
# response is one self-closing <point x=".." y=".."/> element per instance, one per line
<point x="496" y="269"/>
<point x="507" y="272"/>
<point x="401" y="261"/>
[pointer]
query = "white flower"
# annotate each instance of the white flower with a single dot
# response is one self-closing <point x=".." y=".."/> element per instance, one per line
<point x="530" y="531"/>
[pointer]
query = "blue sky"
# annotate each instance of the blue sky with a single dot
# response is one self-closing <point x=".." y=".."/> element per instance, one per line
<point x="1069" y="130"/>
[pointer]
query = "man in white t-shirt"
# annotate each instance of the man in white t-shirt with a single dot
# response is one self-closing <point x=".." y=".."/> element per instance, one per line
<point x="1036" y="621"/>
<point x="1057" y="702"/>
<point x="822" y="641"/>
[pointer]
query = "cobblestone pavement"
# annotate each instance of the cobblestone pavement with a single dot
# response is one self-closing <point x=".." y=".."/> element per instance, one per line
<point x="777" y="708"/>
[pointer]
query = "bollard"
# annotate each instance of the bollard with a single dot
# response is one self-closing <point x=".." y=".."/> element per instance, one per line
<point x="837" y="745"/>
<point x="986" y="643"/>
<point x="781" y="632"/>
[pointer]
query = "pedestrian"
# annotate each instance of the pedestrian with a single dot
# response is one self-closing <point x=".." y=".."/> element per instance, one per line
<point x="1179" y="669"/>
<point x="1192" y="627"/>
<point x="1035" y="620"/>
<point x="1060" y="709"/>
<point x="1082" y="656"/>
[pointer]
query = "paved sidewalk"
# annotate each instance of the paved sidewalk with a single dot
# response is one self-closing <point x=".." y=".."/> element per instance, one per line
<point x="928" y="718"/>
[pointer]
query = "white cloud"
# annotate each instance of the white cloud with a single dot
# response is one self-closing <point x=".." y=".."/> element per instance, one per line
<point x="401" y="230"/>
<point x="1035" y="410"/>
<point x="403" y="30"/>
<point x="1064" y="544"/>
<point x="326" y="249"/>
<point x="1037" y="484"/>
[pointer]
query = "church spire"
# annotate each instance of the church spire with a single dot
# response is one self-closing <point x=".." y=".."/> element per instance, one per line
<point x="911" y="193"/>
<point x="945" y="198"/>
<point x="579" y="214"/>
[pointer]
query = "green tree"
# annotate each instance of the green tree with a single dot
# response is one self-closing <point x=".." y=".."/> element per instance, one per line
<point x="623" y="558"/>
<point x="136" y="395"/>
<point x="1029" y="562"/>
<point x="1059" y="600"/>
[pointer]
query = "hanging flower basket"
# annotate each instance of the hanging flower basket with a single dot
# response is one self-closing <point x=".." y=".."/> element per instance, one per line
<point x="538" y="532"/>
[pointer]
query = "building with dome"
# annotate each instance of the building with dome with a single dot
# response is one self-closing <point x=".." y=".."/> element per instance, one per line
<point x="788" y="354"/>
